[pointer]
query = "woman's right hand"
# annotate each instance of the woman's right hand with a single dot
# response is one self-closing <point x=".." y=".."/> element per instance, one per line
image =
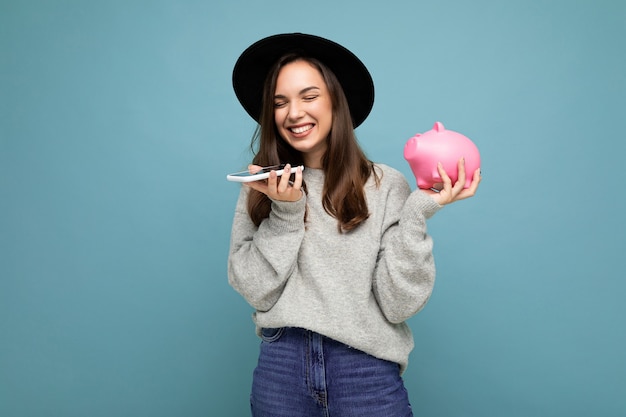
<point x="279" y="189"/>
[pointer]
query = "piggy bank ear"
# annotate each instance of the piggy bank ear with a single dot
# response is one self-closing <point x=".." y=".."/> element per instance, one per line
<point x="438" y="127"/>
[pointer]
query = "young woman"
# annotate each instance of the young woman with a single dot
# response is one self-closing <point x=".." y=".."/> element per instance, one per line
<point x="333" y="258"/>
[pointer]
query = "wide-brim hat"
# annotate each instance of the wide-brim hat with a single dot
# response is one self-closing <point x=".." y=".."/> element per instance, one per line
<point x="255" y="62"/>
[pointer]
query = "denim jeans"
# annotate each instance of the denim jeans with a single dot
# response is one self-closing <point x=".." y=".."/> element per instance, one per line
<point x="304" y="374"/>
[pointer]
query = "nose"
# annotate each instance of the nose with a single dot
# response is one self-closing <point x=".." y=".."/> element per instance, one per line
<point x="295" y="111"/>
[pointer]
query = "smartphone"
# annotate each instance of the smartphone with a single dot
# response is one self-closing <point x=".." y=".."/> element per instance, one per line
<point x="263" y="173"/>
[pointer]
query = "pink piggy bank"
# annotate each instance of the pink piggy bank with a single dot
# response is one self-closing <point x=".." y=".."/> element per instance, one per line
<point x="424" y="151"/>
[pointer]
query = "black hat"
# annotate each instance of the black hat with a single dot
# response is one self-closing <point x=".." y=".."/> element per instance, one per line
<point x="256" y="61"/>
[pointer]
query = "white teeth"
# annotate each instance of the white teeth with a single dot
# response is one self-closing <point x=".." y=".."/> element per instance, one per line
<point x="301" y="129"/>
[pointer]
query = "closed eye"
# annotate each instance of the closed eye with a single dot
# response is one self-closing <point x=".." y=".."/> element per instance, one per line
<point x="279" y="104"/>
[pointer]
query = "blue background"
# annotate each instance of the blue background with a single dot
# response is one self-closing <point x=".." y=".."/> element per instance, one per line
<point x="118" y="125"/>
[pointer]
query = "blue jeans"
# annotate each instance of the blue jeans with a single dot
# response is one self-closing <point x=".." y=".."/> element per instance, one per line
<point x="304" y="374"/>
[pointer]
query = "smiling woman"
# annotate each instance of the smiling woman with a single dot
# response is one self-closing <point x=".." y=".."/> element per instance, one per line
<point x="337" y="323"/>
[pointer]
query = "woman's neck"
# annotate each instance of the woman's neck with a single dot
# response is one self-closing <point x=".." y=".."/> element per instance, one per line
<point x="312" y="161"/>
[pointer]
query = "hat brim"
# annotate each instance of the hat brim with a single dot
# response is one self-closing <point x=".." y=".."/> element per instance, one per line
<point x="255" y="62"/>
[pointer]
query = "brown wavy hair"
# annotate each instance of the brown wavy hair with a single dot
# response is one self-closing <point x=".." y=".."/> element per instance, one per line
<point x="345" y="165"/>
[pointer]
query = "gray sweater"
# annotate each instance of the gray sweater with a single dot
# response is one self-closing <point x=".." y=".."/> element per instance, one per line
<point x="357" y="287"/>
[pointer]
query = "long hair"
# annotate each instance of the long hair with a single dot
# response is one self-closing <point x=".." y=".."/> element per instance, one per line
<point x="344" y="163"/>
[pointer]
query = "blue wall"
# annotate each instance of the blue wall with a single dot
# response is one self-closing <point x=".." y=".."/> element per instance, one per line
<point x="118" y="124"/>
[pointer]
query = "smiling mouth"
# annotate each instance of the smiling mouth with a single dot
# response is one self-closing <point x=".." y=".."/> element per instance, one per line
<point x="301" y="129"/>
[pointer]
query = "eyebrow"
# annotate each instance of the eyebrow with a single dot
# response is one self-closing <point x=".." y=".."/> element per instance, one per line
<point x="301" y="92"/>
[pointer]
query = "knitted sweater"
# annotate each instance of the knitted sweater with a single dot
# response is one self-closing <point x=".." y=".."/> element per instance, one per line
<point x="357" y="287"/>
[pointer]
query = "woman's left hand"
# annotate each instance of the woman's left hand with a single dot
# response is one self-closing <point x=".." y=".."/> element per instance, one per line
<point x="447" y="193"/>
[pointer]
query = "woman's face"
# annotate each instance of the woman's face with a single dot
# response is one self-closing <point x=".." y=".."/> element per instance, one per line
<point x="303" y="110"/>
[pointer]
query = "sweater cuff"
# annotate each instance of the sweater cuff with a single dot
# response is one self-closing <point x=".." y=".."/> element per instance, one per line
<point x="288" y="209"/>
<point x="423" y="203"/>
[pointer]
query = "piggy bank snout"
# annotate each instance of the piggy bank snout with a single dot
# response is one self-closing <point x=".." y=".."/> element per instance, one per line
<point x="410" y="148"/>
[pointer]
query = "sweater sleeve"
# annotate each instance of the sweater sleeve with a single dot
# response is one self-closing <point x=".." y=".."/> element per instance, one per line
<point x="405" y="270"/>
<point x="261" y="259"/>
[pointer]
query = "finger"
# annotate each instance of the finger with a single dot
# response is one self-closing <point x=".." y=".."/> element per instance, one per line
<point x="475" y="181"/>
<point x="253" y="169"/>
<point x="283" y="184"/>
<point x="297" y="182"/>
<point x="260" y="185"/>
<point x="461" y="170"/>
<point x="460" y="183"/>
<point x="471" y="190"/>
<point x="272" y="182"/>
<point x="445" y="178"/>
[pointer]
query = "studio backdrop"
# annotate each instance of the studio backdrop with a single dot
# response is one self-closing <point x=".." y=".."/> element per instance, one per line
<point x="118" y="125"/>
